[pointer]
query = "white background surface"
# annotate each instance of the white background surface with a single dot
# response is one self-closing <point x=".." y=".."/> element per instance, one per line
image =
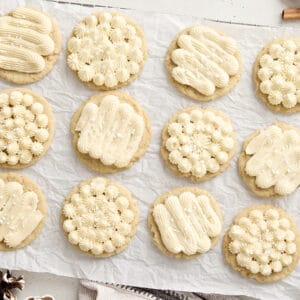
<point x="265" y="12"/>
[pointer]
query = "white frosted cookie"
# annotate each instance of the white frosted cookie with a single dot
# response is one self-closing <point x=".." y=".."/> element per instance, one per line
<point x="30" y="43"/>
<point x="203" y="63"/>
<point x="22" y="211"/>
<point x="263" y="243"/>
<point x="110" y="132"/>
<point x="276" y="73"/>
<point x="106" y="50"/>
<point x="269" y="161"/>
<point x="198" y="143"/>
<point x="185" y="222"/>
<point x="100" y="217"/>
<point x="26" y="128"/>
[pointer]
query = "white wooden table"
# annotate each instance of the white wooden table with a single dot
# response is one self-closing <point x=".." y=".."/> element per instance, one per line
<point x="260" y="12"/>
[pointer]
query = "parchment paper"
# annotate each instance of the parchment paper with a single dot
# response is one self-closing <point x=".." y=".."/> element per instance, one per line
<point x="60" y="170"/>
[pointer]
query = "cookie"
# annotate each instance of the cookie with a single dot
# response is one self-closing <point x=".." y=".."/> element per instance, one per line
<point x="203" y="63"/>
<point x="30" y="45"/>
<point x="276" y="75"/>
<point x="263" y="243"/>
<point x="27" y="128"/>
<point x="198" y="143"/>
<point x="22" y="211"/>
<point x="269" y="161"/>
<point x="110" y="132"/>
<point x="185" y="222"/>
<point x="106" y="50"/>
<point x="100" y="217"/>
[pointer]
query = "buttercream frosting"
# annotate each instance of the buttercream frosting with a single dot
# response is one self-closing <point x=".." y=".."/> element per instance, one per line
<point x="105" y="49"/>
<point x="98" y="218"/>
<point x="187" y="223"/>
<point x="24" y="126"/>
<point x="205" y="59"/>
<point x="110" y="131"/>
<point x="274" y="155"/>
<point x="200" y="142"/>
<point x="25" y="40"/>
<point x="19" y="213"/>
<point x="263" y="241"/>
<point x="278" y="73"/>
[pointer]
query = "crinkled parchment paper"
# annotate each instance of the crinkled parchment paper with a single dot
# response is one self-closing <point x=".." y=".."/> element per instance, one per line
<point x="60" y="170"/>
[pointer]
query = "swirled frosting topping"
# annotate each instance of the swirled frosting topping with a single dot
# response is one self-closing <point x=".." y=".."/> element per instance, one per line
<point x="200" y="142"/>
<point x="19" y="213"/>
<point x="24" y="128"/>
<point x="187" y="223"/>
<point x="274" y="160"/>
<point x="205" y="59"/>
<point x="279" y="73"/>
<point x="25" y="40"/>
<point x="263" y="241"/>
<point x="106" y="49"/>
<point x="110" y="131"/>
<point x="99" y="217"/>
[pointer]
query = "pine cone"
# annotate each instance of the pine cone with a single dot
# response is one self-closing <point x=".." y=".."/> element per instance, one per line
<point x="8" y="283"/>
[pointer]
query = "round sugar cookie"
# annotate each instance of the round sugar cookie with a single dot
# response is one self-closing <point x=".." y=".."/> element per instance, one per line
<point x="263" y="243"/>
<point x="276" y="75"/>
<point x="31" y="41"/>
<point x="23" y="211"/>
<point x="268" y="163"/>
<point x="203" y="63"/>
<point x="185" y="212"/>
<point x="100" y="217"/>
<point x="27" y="128"/>
<point x="106" y="50"/>
<point x="110" y="132"/>
<point x="198" y="143"/>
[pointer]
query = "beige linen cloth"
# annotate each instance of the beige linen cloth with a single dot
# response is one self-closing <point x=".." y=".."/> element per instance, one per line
<point x="91" y="290"/>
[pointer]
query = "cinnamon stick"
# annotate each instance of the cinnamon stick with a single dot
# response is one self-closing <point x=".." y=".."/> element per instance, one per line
<point x="291" y="13"/>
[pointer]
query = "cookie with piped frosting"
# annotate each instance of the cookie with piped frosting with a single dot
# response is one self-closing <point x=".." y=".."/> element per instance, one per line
<point x="30" y="45"/>
<point x="185" y="222"/>
<point x="276" y="75"/>
<point x="22" y="211"/>
<point x="263" y="243"/>
<point x="106" y="50"/>
<point x="110" y="132"/>
<point x="100" y="217"/>
<point x="27" y="128"/>
<point x="269" y="161"/>
<point x="198" y="143"/>
<point x="203" y="63"/>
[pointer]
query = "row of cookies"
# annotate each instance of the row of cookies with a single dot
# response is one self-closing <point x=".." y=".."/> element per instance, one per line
<point x="107" y="50"/>
<point x="99" y="74"/>
<point x="111" y="131"/>
<point x="91" y="210"/>
<point x="100" y="217"/>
